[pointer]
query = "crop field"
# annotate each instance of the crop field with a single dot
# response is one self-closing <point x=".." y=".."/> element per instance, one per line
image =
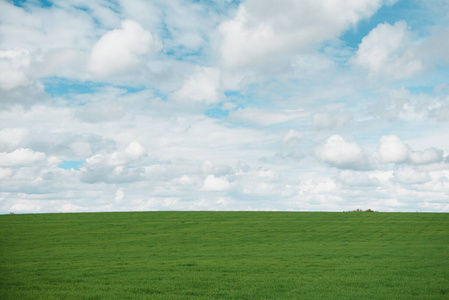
<point x="225" y="255"/>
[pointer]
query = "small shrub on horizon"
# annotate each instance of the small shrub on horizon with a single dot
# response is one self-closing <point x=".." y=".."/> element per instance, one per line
<point x="361" y="210"/>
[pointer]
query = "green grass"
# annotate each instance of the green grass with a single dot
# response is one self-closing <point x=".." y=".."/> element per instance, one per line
<point x="225" y="255"/>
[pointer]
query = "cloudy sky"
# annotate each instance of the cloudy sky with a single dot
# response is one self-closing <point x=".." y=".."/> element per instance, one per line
<point x="129" y="105"/>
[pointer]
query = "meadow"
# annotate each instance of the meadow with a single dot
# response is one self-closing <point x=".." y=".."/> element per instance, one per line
<point x="225" y="255"/>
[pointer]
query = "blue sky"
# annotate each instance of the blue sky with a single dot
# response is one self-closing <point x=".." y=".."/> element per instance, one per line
<point x="133" y="105"/>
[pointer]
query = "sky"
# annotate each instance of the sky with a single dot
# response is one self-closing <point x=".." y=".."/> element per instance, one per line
<point x="288" y="105"/>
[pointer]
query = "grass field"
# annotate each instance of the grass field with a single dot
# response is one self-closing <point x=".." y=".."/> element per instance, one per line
<point x="225" y="255"/>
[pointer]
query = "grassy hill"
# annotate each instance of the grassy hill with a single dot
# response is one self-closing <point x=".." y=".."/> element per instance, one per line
<point x="225" y="255"/>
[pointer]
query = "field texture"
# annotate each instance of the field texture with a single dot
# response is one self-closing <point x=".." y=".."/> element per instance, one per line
<point x="225" y="255"/>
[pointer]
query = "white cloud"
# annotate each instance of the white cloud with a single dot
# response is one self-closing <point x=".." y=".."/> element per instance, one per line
<point x="257" y="62"/>
<point x="186" y="180"/>
<point x="403" y="105"/>
<point x="202" y="86"/>
<point x="281" y="158"/>
<point x="132" y="153"/>
<point x="114" y="167"/>
<point x="342" y="154"/>
<point x="13" y="67"/>
<point x="292" y="137"/>
<point x="262" y="183"/>
<point x="431" y="155"/>
<point x="10" y="138"/>
<point x="187" y="27"/>
<point x="20" y="157"/>
<point x="216" y="184"/>
<point x="26" y="206"/>
<point x="70" y="207"/>
<point x="437" y="45"/>
<point x="101" y="112"/>
<point x="393" y="150"/>
<point x="263" y="116"/>
<point x="139" y="10"/>
<point x="5" y="173"/>
<point x="64" y="62"/>
<point x="51" y="41"/>
<point x="315" y="66"/>
<point x="119" y="51"/>
<point x="358" y="179"/>
<point x="327" y="121"/>
<point x="388" y="52"/>
<point x="37" y="29"/>
<point x="411" y="176"/>
<point x="119" y="194"/>
<point x="319" y="186"/>
<point x="80" y="149"/>
<point x="439" y="183"/>
<point x="261" y="32"/>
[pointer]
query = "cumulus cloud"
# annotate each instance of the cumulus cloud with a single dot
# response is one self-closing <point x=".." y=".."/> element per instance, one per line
<point x="431" y="155"/>
<point x="13" y="68"/>
<point x="185" y="180"/>
<point x="114" y="167"/>
<point x="10" y="138"/>
<point x="103" y="173"/>
<point x="393" y="150"/>
<point x="202" y="86"/>
<point x="61" y="26"/>
<point x="261" y="31"/>
<point x="20" y="157"/>
<point x="132" y="153"/>
<point x="262" y="61"/>
<point x="319" y="186"/>
<point x="119" y="51"/>
<point x="342" y="154"/>
<point x="387" y="52"/>
<point x="39" y="42"/>
<point x="402" y="104"/>
<point x="216" y="184"/>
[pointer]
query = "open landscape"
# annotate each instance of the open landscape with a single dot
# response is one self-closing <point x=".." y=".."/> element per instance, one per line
<point x="225" y="149"/>
<point x="225" y="255"/>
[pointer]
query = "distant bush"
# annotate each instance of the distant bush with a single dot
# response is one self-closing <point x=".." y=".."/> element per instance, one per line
<point x="361" y="210"/>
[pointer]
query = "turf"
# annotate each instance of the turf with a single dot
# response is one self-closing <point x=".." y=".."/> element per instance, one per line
<point x="225" y="255"/>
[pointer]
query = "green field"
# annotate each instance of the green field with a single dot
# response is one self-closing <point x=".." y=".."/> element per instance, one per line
<point x="225" y="255"/>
